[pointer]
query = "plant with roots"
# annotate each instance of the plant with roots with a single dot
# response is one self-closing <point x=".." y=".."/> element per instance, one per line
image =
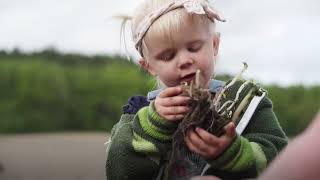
<point x="207" y="111"/>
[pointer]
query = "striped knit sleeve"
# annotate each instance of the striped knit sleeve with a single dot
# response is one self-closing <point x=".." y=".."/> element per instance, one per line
<point x="242" y="156"/>
<point x="150" y="128"/>
<point x="123" y="162"/>
<point x="138" y="144"/>
<point x="251" y="152"/>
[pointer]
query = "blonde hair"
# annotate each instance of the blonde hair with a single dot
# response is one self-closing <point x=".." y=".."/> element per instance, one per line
<point x="166" y="24"/>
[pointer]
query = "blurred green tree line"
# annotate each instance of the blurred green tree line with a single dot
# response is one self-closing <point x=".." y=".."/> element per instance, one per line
<point x="49" y="91"/>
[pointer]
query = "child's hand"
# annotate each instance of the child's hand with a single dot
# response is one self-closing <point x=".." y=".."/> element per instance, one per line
<point x="208" y="145"/>
<point x="170" y="105"/>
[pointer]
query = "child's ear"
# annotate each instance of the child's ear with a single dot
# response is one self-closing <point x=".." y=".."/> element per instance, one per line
<point x="145" y="65"/>
<point x="216" y="43"/>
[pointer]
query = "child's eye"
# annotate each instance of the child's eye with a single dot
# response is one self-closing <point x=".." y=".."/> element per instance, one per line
<point x="167" y="56"/>
<point x="195" y="47"/>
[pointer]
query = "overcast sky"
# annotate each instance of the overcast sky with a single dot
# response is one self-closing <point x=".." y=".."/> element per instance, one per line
<point x="279" y="39"/>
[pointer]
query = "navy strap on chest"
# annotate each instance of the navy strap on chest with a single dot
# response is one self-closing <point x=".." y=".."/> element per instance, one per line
<point x="134" y="104"/>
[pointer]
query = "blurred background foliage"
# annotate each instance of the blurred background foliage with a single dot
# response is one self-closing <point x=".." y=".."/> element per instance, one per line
<point x="49" y="91"/>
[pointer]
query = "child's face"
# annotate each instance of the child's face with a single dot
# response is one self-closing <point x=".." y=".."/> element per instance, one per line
<point x="176" y="60"/>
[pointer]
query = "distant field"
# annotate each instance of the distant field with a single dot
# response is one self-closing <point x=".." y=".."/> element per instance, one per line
<point x="56" y="156"/>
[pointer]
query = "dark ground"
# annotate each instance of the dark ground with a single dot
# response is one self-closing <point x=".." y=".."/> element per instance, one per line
<point x="60" y="156"/>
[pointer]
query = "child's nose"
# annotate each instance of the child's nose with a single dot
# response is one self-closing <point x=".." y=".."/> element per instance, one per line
<point x="185" y="61"/>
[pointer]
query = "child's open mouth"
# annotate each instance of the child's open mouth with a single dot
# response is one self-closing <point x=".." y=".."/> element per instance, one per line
<point x="188" y="78"/>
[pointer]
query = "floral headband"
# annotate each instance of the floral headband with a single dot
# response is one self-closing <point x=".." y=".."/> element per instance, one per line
<point x="191" y="6"/>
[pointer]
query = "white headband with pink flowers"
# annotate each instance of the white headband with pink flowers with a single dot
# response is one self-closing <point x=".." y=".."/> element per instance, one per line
<point x="191" y="6"/>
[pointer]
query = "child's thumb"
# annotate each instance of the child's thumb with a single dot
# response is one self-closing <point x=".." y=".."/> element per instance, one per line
<point x="230" y="129"/>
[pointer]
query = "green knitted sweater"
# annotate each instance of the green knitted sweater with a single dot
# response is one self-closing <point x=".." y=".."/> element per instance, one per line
<point x="140" y="145"/>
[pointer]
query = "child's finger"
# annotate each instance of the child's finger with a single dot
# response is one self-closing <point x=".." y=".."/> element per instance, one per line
<point x="230" y="130"/>
<point x="174" y="101"/>
<point x="174" y="110"/>
<point x="192" y="146"/>
<point x="177" y="110"/>
<point x="196" y="140"/>
<point x="170" y="91"/>
<point x="207" y="137"/>
<point x="175" y="117"/>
